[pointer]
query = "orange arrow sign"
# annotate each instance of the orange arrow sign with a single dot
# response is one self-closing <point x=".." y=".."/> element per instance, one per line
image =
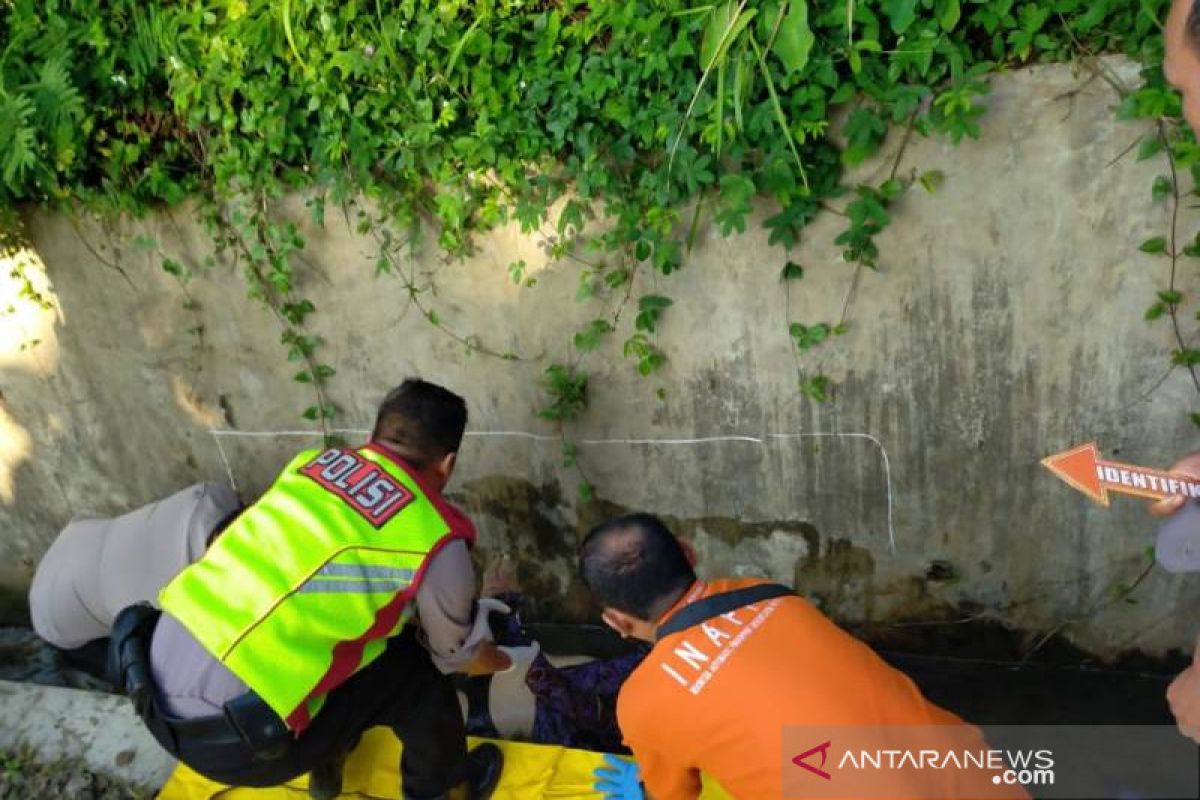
<point x="1083" y="469"/>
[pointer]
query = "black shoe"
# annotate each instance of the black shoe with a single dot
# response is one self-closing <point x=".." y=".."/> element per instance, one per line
<point x="484" y="765"/>
<point x="325" y="781"/>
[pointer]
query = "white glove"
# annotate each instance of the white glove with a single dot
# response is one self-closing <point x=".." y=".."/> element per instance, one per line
<point x="480" y="630"/>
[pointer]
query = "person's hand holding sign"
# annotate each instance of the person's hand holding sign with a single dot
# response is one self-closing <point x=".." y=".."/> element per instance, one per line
<point x="1188" y="466"/>
<point x="1184" y="693"/>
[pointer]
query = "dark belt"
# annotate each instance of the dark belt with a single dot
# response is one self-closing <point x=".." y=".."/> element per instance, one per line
<point x="213" y="729"/>
<point x="247" y="719"/>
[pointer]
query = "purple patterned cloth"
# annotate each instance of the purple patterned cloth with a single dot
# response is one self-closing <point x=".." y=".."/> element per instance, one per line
<point x="575" y="706"/>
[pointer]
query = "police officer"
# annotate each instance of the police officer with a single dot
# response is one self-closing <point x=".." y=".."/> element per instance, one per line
<point x="295" y="632"/>
<point x="98" y="566"/>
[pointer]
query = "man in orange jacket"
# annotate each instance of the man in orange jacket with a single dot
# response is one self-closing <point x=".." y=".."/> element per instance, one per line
<point x="734" y="665"/>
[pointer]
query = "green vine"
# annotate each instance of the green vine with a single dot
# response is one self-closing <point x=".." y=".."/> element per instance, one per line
<point x="623" y="127"/>
<point x="183" y="276"/>
<point x="266" y="250"/>
<point x="1172" y="139"/>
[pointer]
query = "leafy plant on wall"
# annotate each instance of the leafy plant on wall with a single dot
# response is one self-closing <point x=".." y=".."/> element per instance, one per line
<point x="426" y="123"/>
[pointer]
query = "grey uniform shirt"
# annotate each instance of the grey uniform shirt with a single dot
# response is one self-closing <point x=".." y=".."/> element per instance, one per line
<point x="193" y="683"/>
<point x="98" y="566"/>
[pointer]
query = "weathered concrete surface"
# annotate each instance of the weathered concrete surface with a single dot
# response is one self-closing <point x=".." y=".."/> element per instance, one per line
<point x="100" y="729"/>
<point x="1005" y="324"/>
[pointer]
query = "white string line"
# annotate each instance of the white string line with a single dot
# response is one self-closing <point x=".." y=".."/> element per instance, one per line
<point x="217" y="435"/>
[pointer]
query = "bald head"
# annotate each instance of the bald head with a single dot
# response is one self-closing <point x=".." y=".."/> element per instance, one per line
<point x="634" y="564"/>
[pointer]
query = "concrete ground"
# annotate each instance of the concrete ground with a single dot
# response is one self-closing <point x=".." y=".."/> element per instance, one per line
<point x="59" y="725"/>
<point x="99" y="730"/>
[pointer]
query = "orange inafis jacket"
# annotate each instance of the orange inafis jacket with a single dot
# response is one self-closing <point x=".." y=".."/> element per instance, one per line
<point x="721" y="698"/>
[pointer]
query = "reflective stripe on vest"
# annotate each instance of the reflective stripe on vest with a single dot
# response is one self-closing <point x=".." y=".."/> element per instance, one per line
<point x="302" y="589"/>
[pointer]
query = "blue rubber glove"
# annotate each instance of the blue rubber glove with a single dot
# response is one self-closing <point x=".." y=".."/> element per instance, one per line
<point x="619" y="779"/>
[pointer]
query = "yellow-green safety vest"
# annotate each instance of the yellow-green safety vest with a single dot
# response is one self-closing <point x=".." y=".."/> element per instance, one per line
<point x="304" y="587"/>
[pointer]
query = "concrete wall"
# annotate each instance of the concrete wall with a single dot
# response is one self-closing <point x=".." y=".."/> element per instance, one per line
<point x="1005" y="324"/>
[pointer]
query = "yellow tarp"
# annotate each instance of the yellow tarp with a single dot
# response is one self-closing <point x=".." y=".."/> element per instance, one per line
<point x="530" y="771"/>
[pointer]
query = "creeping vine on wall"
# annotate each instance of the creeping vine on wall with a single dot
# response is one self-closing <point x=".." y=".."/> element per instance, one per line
<point x="1171" y="137"/>
<point x="637" y="122"/>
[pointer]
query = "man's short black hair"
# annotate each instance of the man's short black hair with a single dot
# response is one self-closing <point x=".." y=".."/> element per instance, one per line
<point x="1192" y="24"/>
<point x="425" y="420"/>
<point x="636" y="565"/>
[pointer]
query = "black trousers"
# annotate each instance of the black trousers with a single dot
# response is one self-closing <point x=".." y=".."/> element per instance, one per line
<point x="401" y="690"/>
